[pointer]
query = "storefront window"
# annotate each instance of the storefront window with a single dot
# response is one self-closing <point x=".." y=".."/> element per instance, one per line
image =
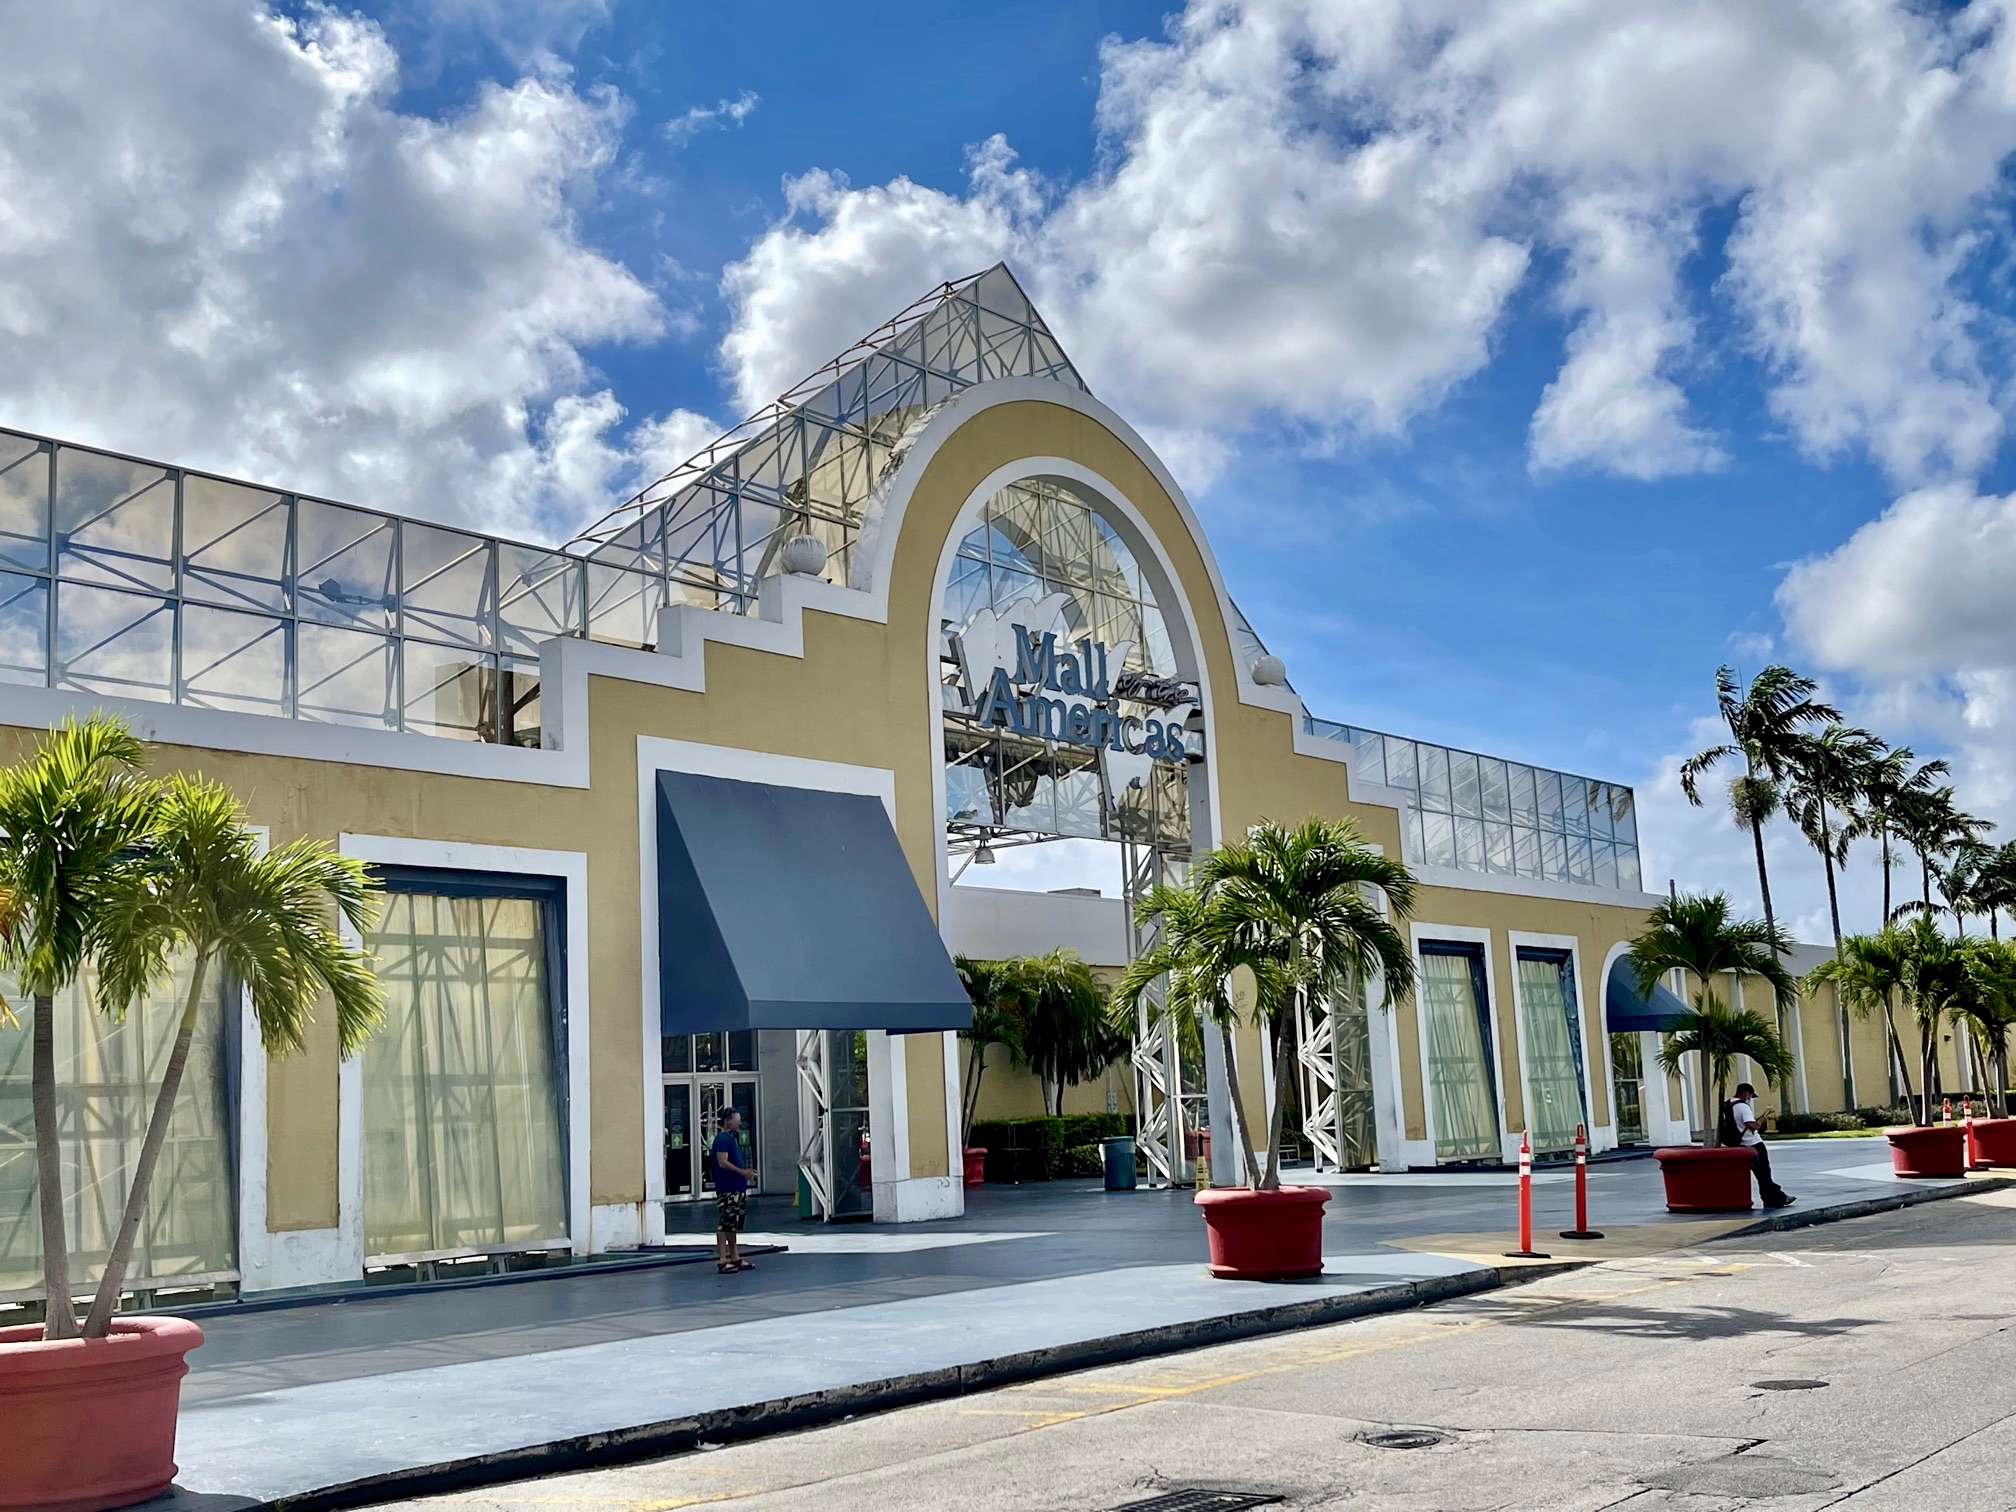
<point x="463" y="1144"/>
<point x="1460" y="1088"/>
<point x="1553" y="1049"/>
<point x="108" y="1072"/>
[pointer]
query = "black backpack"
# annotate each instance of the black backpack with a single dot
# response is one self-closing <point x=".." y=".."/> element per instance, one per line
<point x="1726" y="1132"/>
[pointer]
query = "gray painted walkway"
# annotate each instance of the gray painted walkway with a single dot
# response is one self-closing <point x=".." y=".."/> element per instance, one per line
<point x="287" y="1402"/>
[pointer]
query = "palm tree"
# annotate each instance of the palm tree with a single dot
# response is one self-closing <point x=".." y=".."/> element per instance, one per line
<point x="1829" y="773"/>
<point x="201" y="889"/>
<point x="1718" y="1036"/>
<point x="1296" y="908"/>
<point x="72" y="814"/>
<point x="1995" y="887"/>
<point x="1934" y="982"/>
<point x="1700" y="937"/>
<point x="1890" y="783"/>
<point x="1987" y="1008"/>
<point x="1198" y="966"/>
<point x="1934" y="826"/>
<point x="1066" y="1036"/>
<point x="1767" y="725"/>
<point x="998" y="1019"/>
<point x="1867" y="972"/>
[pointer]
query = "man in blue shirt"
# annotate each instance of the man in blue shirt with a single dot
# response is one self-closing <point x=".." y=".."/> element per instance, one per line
<point x="731" y="1192"/>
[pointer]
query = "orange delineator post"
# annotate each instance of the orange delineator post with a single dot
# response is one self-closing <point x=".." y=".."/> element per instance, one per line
<point x="1581" y="1229"/>
<point x="1526" y="1250"/>
<point x="1967" y="1132"/>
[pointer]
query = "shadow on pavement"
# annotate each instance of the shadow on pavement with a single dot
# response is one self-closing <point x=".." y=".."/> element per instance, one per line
<point x="1692" y="1323"/>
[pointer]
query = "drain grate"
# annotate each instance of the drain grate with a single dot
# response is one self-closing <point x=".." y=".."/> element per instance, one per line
<point x="1202" y="1501"/>
<point x="1790" y="1385"/>
<point x="1405" y="1438"/>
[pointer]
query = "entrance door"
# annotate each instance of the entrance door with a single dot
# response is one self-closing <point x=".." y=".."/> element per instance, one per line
<point x="1627" y="1074"/>
<point x="703" y="1074"/>
<point x="714" y="1097"/>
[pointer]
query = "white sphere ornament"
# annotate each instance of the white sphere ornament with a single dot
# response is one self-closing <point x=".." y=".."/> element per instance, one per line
<point x="804" y="556"/>
<point x="1269" y="671"/>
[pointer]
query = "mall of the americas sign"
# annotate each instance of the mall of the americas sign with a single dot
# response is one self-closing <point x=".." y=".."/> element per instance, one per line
<point x="1031" y="683"/>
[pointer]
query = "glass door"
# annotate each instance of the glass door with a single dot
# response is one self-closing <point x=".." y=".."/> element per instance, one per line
<point x="703" y="1074"/>
<point x="714" y="1097"/>
<point x="1627" y="1074"/>
<point x="680" y="1156"/>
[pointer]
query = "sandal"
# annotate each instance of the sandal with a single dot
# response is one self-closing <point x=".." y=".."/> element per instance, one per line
<point x="745" y="1265"/>
<point x="723" y="1268"/>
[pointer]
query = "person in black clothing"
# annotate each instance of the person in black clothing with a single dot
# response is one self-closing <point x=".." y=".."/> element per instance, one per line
<point x="1743" y="1112"/>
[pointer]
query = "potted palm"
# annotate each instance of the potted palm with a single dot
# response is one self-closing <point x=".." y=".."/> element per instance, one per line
<point x="1701" y="938"/>
<point x="1988" y="1012"/>
<point x="137" y="876"/>
<point x="1296" y="910"/>
<point x="1714" y="1179"/>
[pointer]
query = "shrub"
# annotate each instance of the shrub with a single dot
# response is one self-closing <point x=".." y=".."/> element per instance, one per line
<point x="1820" y="1123"/>
<point x="1084" y="1160"/>
<point x="1039" y="1149"/>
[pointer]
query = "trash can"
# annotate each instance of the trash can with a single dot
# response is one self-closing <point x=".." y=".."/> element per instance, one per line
<point x="1119" y="1159"/>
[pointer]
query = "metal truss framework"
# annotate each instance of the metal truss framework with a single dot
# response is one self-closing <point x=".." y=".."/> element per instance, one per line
<point x="1332" y="1059"/>
<point x="815" y="1119"/>
<point x="1156" y="1056"/>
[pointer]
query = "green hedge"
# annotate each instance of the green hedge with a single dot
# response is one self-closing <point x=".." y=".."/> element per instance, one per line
<point x="1041" y="1149"/>
<point x="1841" y="1123"/>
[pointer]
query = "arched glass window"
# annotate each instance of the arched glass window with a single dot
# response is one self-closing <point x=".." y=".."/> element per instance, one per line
<point x="1099" y="748"/>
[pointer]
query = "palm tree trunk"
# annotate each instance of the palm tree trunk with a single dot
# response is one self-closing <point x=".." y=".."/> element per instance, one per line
<point x="1834" y="918"/>
<point x="1770" y="919"/>
<point x="1902" y="1066"/>
<point x="1884" y="833"/>
<point x="1249" y="1163"/>
<point x="1279" y="1109"/>
<point x="98" y="1322"/>
<point x="975" y="1069"/>
<point x="1926" y="1067"/>
<point x="60" y="1313"/>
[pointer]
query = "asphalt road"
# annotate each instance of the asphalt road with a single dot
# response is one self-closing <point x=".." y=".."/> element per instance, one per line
<point x="1866" y="1364"/>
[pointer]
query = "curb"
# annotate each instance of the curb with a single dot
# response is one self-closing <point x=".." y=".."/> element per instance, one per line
<point x="1834" y="1212"/>
<point x="790" y="1414"/>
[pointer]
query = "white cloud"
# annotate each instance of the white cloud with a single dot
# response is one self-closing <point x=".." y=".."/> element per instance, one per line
<point x="722" y="114"/>
<point x="221" y="243"/>
<point x="1317" y="211"/>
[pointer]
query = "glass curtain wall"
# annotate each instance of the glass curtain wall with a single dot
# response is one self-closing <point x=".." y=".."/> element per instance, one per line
<point x="1456" y="1018"/>
<point x="463" y="1126"/>
<point x="1553" y="1049"/>
<point x="108" y="1073"/>
<point x="1482" y="814"/>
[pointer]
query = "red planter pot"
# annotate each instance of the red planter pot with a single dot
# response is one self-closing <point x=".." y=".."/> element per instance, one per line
<point x="1706" y="1180"/>
<point x="975" y="1159"/>
<point x="1264" y="1236"/>
<point x="1928" y="1150"/>
<point x="1994" y="1142"/>
<point x="89" y="1424"/>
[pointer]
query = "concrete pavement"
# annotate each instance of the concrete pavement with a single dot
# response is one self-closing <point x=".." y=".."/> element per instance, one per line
<point x="495" y="1381"/>
<point x="1867" y="1365"/>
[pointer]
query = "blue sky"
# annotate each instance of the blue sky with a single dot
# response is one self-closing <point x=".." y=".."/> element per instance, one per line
<point x="1515" y="359"/>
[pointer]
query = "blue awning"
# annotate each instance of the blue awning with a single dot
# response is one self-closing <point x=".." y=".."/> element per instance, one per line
<point x="1625" y="1008"/>
<point x="788" y="908"/>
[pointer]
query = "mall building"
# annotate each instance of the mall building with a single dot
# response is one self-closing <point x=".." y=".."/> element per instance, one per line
<point x="670" y="819"/>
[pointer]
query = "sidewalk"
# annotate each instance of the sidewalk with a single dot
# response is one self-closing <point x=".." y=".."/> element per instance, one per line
<point x="407" y="1392"/>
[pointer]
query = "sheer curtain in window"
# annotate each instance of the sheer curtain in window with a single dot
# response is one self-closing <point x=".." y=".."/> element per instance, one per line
<point x="1459" y="1060"/>
<point x="462" y="1141"/>
<point x="107" y="1074"/>
<point x="1553" y="1051"/>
